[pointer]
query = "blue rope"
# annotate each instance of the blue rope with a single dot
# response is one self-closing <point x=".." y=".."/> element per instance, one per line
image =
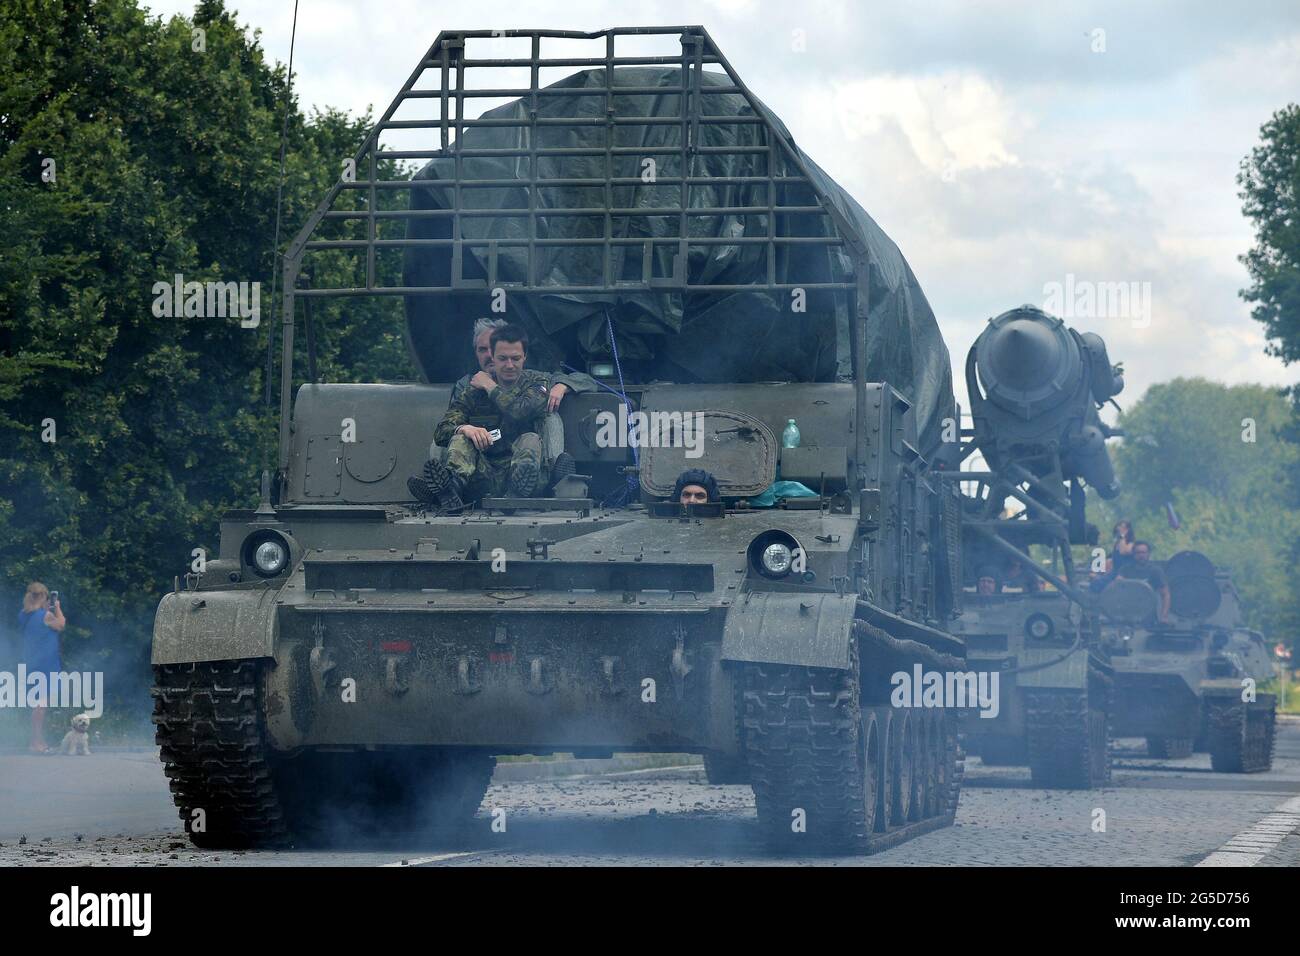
<point x="613" y="391"/>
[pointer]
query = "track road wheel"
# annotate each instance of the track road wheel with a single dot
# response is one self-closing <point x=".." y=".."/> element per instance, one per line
<point x="902" y="766"/>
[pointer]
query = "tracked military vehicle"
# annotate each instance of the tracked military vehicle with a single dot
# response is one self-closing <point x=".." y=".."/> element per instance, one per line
<point x="1035" y="388"/>
<point x="1190" y="682"/>
<point x="651" y="222"/>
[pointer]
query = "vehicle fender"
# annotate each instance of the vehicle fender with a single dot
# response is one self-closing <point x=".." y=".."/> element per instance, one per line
<point x="194" y="626"/>
<point x="805" y="630"/>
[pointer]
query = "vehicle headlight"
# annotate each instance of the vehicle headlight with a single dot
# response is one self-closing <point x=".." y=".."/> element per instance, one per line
<point x="1039" y="626"/>
<point x="774" y="554"/>
<point x="269" y="557"/>
<point x="776" y="558"/>
<point x="266" y="553"/>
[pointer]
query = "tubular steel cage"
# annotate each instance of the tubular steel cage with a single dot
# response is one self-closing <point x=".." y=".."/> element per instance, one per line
<point x="446" y="77"/>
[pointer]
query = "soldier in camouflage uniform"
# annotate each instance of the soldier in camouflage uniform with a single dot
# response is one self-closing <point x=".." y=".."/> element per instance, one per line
<point x="483" y="329"/>
<point x="563" y="383"/>
<point x="511" y="400"/>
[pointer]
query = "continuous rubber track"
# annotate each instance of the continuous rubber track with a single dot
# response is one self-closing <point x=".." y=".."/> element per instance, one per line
<point x="1241" y="735"/>
<point x="1068" y="737"/>
<point x="209" y="731"/>
<point x="812" y="747"/>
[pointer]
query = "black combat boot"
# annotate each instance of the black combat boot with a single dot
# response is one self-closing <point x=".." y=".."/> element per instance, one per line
<point x="563" y="467"/>
<point x="450" y="499"/>
<point x="419" y="489"/>
<point x="444" y="485"/>
<point x="523" y="479"/>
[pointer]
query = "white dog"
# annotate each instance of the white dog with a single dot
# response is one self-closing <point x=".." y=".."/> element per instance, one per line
<point x="77" y="740"/>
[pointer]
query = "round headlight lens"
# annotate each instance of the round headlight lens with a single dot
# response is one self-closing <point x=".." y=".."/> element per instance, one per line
<point x="270" y="557"/>
<point x="1039" y="626"/>
<point x="776" y="558"/>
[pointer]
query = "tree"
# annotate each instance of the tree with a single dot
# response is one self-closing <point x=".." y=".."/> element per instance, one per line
<point x="1270" y="191"/>
<point x="1224" y="457"/>
<point x="132" y="151"/>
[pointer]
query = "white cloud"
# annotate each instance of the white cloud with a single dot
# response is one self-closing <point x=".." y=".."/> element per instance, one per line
<point x="996" y="149"/>
<point x="952" y="121"/>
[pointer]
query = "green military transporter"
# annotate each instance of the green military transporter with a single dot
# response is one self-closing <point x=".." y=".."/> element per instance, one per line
<point x="1036" y="387"/>
<point x="650" y="222"/>
<point x="1191" y="682"/>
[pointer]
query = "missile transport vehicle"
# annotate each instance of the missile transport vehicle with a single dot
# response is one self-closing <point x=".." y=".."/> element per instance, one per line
<point x="1036" y="387"/>
<point x="1191" y="682"/>
<point x="650" y="222"/>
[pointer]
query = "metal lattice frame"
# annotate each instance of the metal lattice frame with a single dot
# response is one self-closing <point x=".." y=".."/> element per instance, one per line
<point x="447" y="66"/>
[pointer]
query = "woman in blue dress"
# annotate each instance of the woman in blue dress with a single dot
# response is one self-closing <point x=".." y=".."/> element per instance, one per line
<point x="40" y="621"/>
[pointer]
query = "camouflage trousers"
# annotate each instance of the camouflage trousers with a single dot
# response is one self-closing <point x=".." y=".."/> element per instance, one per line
<point x="552" y="441"/>
<point x="487" y="476"/>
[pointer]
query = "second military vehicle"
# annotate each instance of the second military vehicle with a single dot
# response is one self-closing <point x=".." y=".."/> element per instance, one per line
<point x="650" y="222"/>
<point x="1035" y="388"/>
<point x="1191" y="681"/>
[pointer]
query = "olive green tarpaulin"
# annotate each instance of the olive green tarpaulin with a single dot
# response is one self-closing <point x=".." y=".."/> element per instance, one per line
<point x="666" y="334"/>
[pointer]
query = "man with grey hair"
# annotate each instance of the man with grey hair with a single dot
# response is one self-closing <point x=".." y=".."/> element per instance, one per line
<point x="483" y="329"/>
<point x="555" y="459"/>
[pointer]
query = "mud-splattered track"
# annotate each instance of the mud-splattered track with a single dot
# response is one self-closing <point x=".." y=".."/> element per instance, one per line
<point x="1155" y="813"/>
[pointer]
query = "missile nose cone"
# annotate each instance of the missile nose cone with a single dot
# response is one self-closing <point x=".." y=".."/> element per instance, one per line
<point x="1024" y="354"/>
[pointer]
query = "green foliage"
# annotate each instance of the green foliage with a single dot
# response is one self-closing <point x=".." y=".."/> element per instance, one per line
<point x="166" y="162"/>
<point x="1186" y="444"/>
<point x="1270" y="193"/>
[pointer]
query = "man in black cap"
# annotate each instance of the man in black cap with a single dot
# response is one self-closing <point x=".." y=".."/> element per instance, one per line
<point x="695" y="486"/>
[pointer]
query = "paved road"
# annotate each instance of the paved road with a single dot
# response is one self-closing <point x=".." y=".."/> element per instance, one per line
<point x="114" y="808"/>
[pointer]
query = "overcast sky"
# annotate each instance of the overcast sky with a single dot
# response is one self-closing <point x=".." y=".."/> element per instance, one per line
<point x="1003" y="146"/>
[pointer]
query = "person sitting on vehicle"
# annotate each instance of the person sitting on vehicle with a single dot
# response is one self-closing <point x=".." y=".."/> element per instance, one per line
<point x="987" y="583"/>
<point x="562" y="463"/>
<point x="695" y="486"/>
<point x="491" y="431"/>
<point x="1020" y="578"/>
<point x="483" y="329"/>
<point x="1142" y="568"/>
<point x="1121" y="551"/>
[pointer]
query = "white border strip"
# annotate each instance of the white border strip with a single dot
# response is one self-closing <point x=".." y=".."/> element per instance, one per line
<point x="1259" y="839"/>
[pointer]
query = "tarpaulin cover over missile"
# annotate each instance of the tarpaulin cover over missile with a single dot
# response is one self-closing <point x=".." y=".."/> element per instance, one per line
<point x="664" y="334"/>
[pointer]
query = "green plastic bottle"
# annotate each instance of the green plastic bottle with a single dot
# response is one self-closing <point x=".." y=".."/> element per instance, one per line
<point x="790" y="437"/>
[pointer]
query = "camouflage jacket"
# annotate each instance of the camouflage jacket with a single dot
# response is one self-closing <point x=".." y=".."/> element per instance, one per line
<point x="462" y="383"/>
<point x="515" y="409"/>
<point x="578" y="382"/>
